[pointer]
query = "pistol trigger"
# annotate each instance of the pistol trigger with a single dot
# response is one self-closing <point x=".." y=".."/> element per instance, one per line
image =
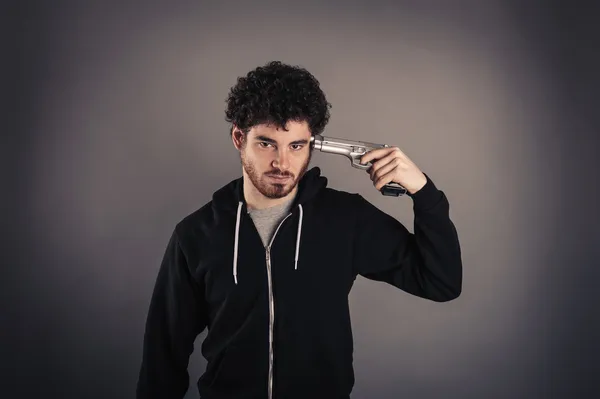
<point x="356" y="163"/>
<point x="359" y="151"/>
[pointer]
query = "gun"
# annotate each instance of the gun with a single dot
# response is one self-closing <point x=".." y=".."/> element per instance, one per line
<point x="354" y="150"/>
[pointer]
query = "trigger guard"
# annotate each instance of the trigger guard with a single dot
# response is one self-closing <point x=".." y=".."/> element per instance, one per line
<point x="356" y="163"/>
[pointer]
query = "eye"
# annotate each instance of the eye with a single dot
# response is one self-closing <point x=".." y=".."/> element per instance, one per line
<point x="298" y="146"/>
<point x="264" y="144"/>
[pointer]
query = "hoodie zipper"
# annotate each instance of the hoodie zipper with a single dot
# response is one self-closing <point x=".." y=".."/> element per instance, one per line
<point x="271" y="308"/>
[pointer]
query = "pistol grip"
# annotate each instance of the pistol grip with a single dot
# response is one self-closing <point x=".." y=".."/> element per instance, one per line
<point x="393" y="189"/>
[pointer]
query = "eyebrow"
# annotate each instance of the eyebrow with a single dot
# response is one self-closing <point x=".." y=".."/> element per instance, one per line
<point x="269" y="140"/>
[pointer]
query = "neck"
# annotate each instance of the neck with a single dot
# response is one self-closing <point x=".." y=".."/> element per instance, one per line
<point x="256" y="200"/>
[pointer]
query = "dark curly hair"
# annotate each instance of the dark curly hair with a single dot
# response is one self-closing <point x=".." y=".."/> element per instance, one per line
<point x="275" y="94"/>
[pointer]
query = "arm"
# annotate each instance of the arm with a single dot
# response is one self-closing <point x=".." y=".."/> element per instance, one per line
<point x="175" y="318"/>
<point x="427" y="263"/>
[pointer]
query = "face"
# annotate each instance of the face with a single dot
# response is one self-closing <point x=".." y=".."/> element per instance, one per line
<point x="274" y="159"/>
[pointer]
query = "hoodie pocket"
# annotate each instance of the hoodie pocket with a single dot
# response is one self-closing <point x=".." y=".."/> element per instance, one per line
<point x="213" y="369"/>
<point x="240" y="370"/>
<point x="226" y="371"/>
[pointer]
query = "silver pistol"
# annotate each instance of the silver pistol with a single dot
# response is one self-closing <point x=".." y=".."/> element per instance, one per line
<point x="354" y="150"/>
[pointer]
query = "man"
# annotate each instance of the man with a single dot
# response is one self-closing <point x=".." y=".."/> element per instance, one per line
<point x="267" y="265"/>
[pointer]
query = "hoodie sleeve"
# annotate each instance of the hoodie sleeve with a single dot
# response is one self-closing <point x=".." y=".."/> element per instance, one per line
<point x="175" y="318"/>
<point x="427" y="263"/>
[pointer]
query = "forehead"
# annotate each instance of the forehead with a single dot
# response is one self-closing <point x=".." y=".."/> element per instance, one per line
<point x="295" y="131"/>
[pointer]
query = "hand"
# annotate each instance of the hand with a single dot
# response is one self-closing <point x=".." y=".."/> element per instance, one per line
<point x="393" y="165"/>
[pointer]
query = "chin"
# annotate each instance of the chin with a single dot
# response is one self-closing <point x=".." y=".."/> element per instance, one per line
<point x="282" y="190"/>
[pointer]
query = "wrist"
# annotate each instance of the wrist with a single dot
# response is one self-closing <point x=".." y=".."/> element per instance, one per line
<point x="414" y="189"/>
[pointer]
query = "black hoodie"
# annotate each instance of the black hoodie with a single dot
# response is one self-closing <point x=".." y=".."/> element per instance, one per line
<point x="278" y="318"/>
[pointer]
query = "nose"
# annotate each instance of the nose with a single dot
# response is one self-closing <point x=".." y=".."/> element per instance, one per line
<point x="282" y="160"/>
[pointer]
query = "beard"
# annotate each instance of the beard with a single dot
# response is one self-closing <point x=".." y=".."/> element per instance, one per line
<point x="267" y="187"/>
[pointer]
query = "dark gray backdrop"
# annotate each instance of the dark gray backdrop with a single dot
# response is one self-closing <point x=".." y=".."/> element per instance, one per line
<point x="115" y="131"/>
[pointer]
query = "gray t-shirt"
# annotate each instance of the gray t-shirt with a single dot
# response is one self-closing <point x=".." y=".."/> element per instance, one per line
<point x="266" y="220"/>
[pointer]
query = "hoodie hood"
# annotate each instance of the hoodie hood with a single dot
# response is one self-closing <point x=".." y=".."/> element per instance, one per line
<point x="231" y="198"/>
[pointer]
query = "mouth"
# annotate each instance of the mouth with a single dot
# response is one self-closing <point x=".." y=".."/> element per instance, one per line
<point x="278" y="178"/>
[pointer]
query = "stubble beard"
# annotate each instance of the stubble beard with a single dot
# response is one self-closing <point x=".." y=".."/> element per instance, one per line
<point x="267" y="187"/>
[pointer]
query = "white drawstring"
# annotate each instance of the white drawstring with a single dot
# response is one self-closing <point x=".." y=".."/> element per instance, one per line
<point x="298" y="239"/>
<point x="237" y="235"/>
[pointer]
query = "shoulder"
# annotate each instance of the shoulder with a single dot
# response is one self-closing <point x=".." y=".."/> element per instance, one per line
<point x="194" y="227"/>
<point x="196" y="218"/>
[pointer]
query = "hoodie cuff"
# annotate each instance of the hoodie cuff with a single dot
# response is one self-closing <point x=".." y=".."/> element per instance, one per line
<point x="427" y="197"/>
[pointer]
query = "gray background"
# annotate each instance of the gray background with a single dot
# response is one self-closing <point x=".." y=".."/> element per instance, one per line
<point x="116" y="131"/>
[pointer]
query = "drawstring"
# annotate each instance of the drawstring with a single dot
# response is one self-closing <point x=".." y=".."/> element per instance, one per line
<point x="237" y="236"/>
<point x="298" y="239"/>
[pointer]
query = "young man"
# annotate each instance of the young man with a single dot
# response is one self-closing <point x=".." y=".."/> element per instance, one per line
<point x="268" y="264"/>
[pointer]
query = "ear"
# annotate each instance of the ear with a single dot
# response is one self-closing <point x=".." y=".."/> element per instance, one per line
<point x="237" y="137"/>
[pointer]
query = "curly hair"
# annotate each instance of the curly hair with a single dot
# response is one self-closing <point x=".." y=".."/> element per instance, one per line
<point x="275" y="94"/>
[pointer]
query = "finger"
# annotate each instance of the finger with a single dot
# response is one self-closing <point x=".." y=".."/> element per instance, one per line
<point x="383" y="180"/>
<point x="376" y="154"/>
<point x="383" y="170"/>
<point x="383" y="161"/>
